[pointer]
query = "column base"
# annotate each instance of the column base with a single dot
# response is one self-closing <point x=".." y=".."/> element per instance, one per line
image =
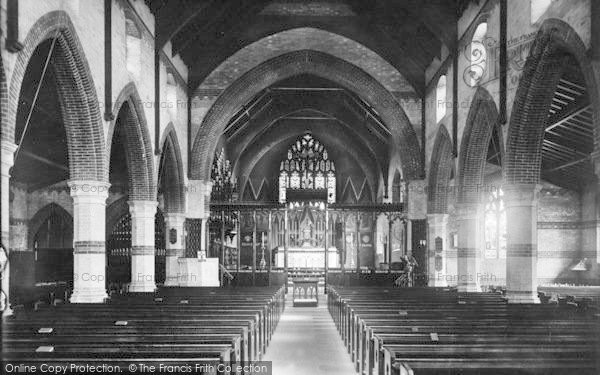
<point x="172" y="281"/>
<point x="522" y="297"/>
<point x="89" y="296"/>
<point x="7" y="311"/>
<point x="437" y="282"/>
<point x="142" y="287"/>
<point x="172" y="268"/>
<point x="468" y="288"/>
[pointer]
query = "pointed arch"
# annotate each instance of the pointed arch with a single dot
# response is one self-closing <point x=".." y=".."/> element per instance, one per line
<point x="291" y="64"/>
<point x="541" y="73"/>
<point x="140" y="162"/>
<point x="42" y="215"/>
<point x="170" y="172"/>
<point x="114" y="212"/>
<point x="82" y="120"/>
<point x="481" y="120"/>
<point x="440" y="171"/>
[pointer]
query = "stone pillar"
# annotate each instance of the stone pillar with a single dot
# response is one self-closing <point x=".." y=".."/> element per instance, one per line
<point x="416" y="210"/>
<point x="175" y="250"/>
<point x="521" y="248"/>
<point x="199" y="270"/>
<point x="8" y="152"/>
<point x="89" y="247"/>
<point x="198" y="200"/>
<point x="142" y="245"/>
<point x="438" y="228"/>
<point x="469" y="216"/>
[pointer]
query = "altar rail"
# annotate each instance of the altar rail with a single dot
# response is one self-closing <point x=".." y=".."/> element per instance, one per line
<point x="262" y="278"/>
<point x="352" y="278"/>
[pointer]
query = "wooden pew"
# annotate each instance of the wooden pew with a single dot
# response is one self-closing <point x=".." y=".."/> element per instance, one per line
<point x="232" y="326"/>
<point x="427" y="331"/>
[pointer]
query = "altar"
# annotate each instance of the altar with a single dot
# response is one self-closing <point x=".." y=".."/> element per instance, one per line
<point x="308" y="257"/>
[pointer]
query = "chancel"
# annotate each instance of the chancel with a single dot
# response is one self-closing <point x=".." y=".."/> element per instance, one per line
<point x="300" y="186"/>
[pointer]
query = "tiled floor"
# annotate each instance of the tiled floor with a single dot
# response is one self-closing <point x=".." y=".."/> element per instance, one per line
<point x="306" y="342"/>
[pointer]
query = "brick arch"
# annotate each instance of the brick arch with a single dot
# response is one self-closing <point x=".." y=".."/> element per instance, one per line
<point x="77" y="96"/>
<point x="481" y="120"/>
<point x="541" y="73"/>
<point x="3" y="101"/>
<point x="140" y="162"/>
<point x="295" y="63"/>
<point x="42" y="215"/>
<point x="172" y="166"/>
<point x="440" y="170"/>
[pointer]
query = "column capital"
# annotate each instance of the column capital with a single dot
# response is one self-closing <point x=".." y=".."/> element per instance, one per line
<point x="175" y="217"/>
<point x="467" y="211"/>
<point x="88" y="189"/>
<point x="8" y="156"/>
<point x="142" y="208"/>
<point x="437" y="219"/>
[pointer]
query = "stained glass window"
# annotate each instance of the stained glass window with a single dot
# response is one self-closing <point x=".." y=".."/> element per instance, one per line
<point x="495" y="226"/>
<point x="307" y="166"/>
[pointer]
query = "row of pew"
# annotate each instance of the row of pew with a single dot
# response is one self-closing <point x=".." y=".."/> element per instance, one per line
<point x="440" y="331"/>
<point x="173" y="327"/>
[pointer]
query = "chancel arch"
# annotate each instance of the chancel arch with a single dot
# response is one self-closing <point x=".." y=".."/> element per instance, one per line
<point x="285" y="66"/>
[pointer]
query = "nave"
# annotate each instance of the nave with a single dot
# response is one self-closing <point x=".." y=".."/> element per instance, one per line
<point x="353" y="329"/>
<point x="171" y="168"/>
<point x="306" y="342"/>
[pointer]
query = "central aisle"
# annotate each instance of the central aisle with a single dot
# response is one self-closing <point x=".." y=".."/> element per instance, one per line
<point x="307" y="342"/>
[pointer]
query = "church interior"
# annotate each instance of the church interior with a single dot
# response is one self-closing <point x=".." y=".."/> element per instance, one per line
<point x="300" y="186"/>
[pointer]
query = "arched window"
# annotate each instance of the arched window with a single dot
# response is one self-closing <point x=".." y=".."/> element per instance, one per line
<point x="440" y="99"/>
<point x="538" y="8"/>
<point x="477" y="55"/>
<point x="495" y="225"/>
<point x="307" y="166"/>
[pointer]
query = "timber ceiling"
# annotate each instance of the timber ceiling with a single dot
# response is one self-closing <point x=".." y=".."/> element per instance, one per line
<point x="569" y="134"/>
<point x="407" y="33"/>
